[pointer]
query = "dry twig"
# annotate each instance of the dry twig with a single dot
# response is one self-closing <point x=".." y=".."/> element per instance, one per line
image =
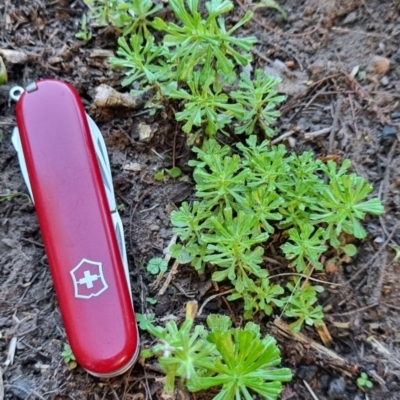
<point x="335" y="124"/>
<point x="171" y="273"/>
<point x="1" y="385"/>
<point x="329" y="357"/>
<point x="320" y="132"/>
<point x="313" y="395"/>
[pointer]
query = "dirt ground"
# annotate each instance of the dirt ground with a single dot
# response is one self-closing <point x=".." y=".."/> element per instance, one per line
<point x="324" y="43"/>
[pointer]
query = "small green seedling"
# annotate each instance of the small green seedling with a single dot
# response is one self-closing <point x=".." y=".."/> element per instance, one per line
<point x="270" y="4"/>
<point x="69" y="357"/>
<point x="8" y="195"/>
<point x="151" y="300"/>
<point x="84" y="33"/>
<point x="157" y="265"/>
<point x="301" y="304"/>
<point x="3" y="73"/>
<point x="174" y="173"/>
<point x="121" y="207"/>
<point x="364" y="383"/>
<point x="396" y="251"/>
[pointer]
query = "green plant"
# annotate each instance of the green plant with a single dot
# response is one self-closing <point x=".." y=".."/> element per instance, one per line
<point x="244" y="200"/>
<point x="306" y="247"/>
<point x="3" y="72"/>
<point x="132" y="16"/>
<point x="174" y="173"/>
<point x="8" y="195"/>
<point x="151" y="300"/>
<point x="196" y="64"/>
<point x="157" y="265"/>
<point x="259" y="98"/>
<point x="84" y="33"/>
<point x="142" y="62"/>
<point x="198" y="44"/>
<point x="69" y="357"/>
<point x="205" y="105"/>
<point x="239" y="361"/>
<point x="363" y="382"/>
<point x="301" y="304"/>
<point x="194" y="61"/>
<point x="270" y="4"/>
<point x="261" y="195"/>
<point x="259" y="295"/>
<point x="393" y="247"/>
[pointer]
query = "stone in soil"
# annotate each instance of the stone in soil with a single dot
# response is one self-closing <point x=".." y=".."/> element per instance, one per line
<point x="20" y="389"/>
<point x="337" y="389"/>
<point x="307" y="372"/>
<point x="395" y="115"/>
<point x="388" y="135"/>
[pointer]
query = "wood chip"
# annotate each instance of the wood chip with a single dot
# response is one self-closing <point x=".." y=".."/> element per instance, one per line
<point x="324" y="334"/>
<point x="14" y="56"/>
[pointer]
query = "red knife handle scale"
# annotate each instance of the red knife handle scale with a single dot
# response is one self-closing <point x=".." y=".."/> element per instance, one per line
<point x="77" y="228"/>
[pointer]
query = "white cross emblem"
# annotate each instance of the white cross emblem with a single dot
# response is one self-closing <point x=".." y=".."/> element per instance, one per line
<point x="88" y="279"/>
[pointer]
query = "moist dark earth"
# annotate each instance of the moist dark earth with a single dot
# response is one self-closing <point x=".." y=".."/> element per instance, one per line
<point x="317" y="52"/>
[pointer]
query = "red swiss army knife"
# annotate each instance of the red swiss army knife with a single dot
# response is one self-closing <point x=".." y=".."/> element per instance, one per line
<point x="65" y="165"/>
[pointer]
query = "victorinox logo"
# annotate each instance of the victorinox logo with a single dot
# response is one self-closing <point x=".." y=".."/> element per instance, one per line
<point x="88" y="279"/>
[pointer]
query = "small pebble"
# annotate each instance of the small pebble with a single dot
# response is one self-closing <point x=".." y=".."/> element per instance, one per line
<point x="350" y="18"/>
<point x="388" y="135"/>
<point x="323" y="381"/>
<point x="308" y="11"/>
<point x="385" y="80"/>
<point x="145" y="132"/>
<point x="349" y="269"/>
<point x="292" y="142"/>
<point x="317" y="117"/>
<point x="132" y="167"/>
<point x="388" y="132"/>
<point x="337" y="389"/>
<point x="379" y="240"/>
<point x="395" y="115"/>
<point x="380" y="65"/>
<point x="290" y="64"/>
<point x="307" y="372"/>
<point x="20" y="389"/>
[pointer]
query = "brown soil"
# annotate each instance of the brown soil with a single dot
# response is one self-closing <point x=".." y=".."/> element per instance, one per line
<point x="323" y="41"/>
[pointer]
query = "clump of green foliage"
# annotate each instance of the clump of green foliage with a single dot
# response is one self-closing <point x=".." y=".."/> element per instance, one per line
<point x="244" y="200"/>
<point x="132" y="16"/>
<point x="239" y="361"/>
<point x="193" y="60"/>
<point x="245" y="197"/>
